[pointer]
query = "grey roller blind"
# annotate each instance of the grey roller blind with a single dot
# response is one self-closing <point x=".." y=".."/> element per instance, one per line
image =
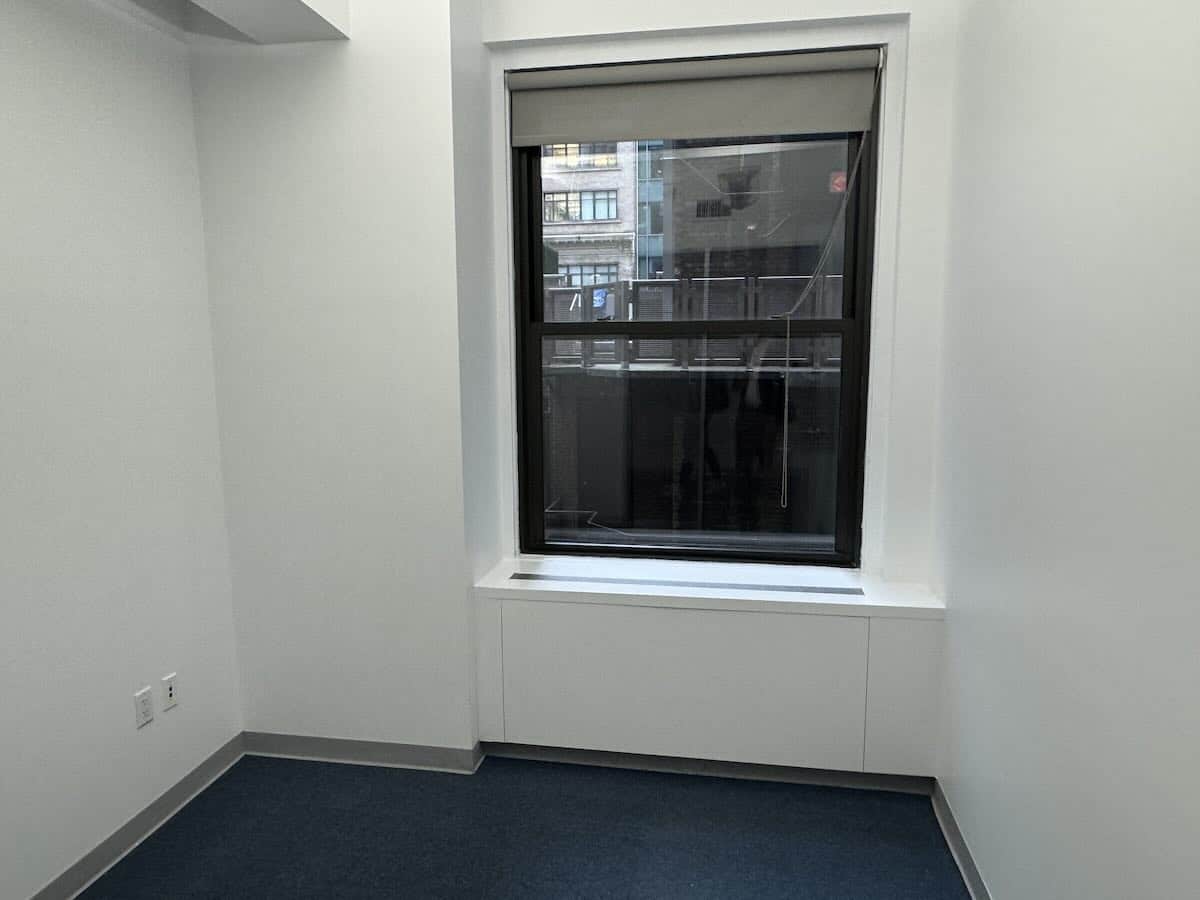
<point x="792" y="93"/>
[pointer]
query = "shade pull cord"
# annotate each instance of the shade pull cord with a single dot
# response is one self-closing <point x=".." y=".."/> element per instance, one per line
<point x="818" y="273"/>
<point x="787" y="365"/>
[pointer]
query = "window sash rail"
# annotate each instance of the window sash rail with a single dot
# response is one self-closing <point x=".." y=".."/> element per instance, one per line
<point x="692" y="327"/>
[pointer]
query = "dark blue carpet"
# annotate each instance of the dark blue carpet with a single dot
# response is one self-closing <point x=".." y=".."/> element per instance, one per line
<point x="290" y="829"/>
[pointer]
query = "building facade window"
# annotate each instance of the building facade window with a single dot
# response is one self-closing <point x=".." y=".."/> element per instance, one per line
<point x="579" y="206"/>
<point x="587" y="274"/>
<point x="582" y="156"/>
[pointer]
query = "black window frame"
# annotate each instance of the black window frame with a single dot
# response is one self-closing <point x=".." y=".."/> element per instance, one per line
<point x="853" y="329"/>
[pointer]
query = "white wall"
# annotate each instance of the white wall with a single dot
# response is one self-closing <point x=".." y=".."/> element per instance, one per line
<point x="901" y="472"/>
<point x="113" y="565"/>
<point x="282" y="21"/>
<point x="479" y="334"/>
<point x="330" y="213"/>
<point x="1072" y="439"/>
<point x="336" y="12"/>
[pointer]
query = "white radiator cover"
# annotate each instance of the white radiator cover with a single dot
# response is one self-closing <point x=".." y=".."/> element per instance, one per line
<point x="849" y="692"/>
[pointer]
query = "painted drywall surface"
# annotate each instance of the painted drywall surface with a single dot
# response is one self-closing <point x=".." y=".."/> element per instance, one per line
<point x="327" y="172"/>
<point x="1072" y="436"/>
<point x="113" y="560"/>
<point x="478" y="337"/>
<point x="282" y="21"/>
<point x="478" y="332"/>
<point x="336" y="12"/>
<point x="913" y="383"/>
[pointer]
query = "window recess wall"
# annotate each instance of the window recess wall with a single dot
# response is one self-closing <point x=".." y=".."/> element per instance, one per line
<point x="908" y="268"/>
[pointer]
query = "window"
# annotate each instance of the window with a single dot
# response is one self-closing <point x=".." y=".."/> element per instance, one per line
<point x="579" y="206"/>
<point x="582" y="156"/>
<point x="712" y="406"/>
<point x="587" y="274"/>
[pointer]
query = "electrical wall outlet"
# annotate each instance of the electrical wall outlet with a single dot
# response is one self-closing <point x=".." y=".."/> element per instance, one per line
<point x="143" y="706"/>
<point x="170" y="691"/>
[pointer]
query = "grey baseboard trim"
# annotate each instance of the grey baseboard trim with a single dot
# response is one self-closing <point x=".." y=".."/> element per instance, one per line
<point x="958" y="845"/>
<point x="97" y="861"/>
<point x="256" y="743"/>
<point x="465" y="761"/>
<point x="905" y="784"/>
<point x="370" y="753"/>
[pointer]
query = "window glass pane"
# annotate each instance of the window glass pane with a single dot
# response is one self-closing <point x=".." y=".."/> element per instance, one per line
<point x="738" y="224"/>
<point x="677" y="443"/>
<point x="665" y="436"/>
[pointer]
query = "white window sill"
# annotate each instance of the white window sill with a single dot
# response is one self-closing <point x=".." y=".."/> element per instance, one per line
<point x="810" y="590"/>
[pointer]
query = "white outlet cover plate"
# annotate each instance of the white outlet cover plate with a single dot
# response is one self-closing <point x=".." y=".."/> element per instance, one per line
<point x="170" y="691"/>
<point x="143" y="706"/>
